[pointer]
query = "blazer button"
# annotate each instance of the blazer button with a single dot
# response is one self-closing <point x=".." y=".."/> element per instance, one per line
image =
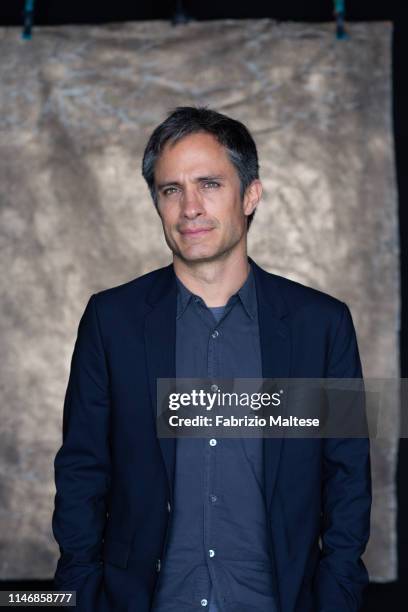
<point x="158" y="565"/>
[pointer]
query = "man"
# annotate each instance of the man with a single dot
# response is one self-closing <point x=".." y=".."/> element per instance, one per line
<point x="228" y="525"/>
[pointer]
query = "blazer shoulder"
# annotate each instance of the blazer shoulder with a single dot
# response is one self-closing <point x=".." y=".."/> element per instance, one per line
<point x="129" y="297"/>
<point x="300" y="298"/>
<point x="133" y="290"/>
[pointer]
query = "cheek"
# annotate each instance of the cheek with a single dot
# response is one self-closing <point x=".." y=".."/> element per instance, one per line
<point x="168" y="216"/>
<point x="222" y="206"/>
<point x="232" y="216"/>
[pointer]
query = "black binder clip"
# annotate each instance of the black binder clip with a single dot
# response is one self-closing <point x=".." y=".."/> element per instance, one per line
<point x="28" y="15"/>
<point x="180" y="15"/>
<point x="339" y="13"/>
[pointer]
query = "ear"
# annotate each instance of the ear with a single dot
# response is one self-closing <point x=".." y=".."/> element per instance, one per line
<point x="252" y="196"/>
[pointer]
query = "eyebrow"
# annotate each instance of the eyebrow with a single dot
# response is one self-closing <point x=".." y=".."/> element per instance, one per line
<point x="199" y="179"/>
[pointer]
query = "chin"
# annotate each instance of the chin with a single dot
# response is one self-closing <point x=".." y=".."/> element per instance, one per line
<point x="196" y="253"/>
<point x="196" y="257"/>
<point x="200" y="257"/>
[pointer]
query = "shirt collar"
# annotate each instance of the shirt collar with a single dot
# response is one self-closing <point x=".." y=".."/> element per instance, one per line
<point x="184" y="296"/>
<point x="247" y="295"/>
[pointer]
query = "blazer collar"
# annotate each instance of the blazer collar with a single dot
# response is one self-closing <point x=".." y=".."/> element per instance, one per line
<point x="246" y="294"/>
<point x="166" y="283"/>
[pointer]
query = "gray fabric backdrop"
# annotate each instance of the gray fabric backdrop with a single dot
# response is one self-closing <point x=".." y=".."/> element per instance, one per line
<point x="77" y="105"/>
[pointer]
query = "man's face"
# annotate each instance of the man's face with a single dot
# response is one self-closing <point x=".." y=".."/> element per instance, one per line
<point x="199" y="202"/>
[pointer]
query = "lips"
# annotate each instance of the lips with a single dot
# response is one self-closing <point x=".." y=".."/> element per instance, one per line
<point x="196" y="231"/>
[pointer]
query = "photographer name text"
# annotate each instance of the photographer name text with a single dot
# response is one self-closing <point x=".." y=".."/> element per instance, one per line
<point x="246" y="421"/>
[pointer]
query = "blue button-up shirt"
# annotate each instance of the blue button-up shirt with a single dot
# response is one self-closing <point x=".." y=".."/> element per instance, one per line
<point x="217" y="555"/>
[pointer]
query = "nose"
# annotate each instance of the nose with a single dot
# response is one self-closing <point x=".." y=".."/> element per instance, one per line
<point x="191" y="203"/>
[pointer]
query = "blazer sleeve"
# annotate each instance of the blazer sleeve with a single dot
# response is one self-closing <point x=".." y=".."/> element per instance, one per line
<point x="346" y="494"/>
<point x="82" y="464"/>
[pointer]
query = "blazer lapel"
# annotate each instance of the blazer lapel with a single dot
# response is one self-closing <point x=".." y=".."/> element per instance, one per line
<point x="275" y="352"/>
<point x="160" y="344"/>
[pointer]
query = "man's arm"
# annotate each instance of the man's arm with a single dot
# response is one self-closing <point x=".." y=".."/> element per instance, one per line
<point x="82" y="464"/>
<point x="342" y="576"/>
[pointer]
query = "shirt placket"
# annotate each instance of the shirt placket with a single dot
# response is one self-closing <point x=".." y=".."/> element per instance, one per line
<point x="212" y="455"/>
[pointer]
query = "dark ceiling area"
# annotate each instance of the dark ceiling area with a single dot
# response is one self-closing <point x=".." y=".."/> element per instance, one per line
<point x="52" y="12"/>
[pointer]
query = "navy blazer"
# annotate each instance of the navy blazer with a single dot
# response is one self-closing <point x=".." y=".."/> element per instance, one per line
<point x="114" y="477"/>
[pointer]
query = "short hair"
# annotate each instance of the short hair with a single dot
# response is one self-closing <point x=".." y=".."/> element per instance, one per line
<point x="186" y="120"/>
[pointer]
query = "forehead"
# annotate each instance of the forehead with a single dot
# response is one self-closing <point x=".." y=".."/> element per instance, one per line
<point x="200" y="152"/>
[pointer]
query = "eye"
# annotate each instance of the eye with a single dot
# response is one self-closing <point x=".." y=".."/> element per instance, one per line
<point x="169" y="191"/>
<point x="211" y="184"/>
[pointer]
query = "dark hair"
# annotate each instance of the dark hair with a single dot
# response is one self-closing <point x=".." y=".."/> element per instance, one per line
<point x="230" y="133"/>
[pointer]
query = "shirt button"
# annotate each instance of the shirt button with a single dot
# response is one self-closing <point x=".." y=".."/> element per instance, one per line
<point x="204" y="602"/>
<point x="213" y="498"/>
<point x="215" y="333"/>
<point x="211" y="552"/>
<point x="213" y="442"/>
<point x="214" y="387"/>
<point x="168" y="506"/>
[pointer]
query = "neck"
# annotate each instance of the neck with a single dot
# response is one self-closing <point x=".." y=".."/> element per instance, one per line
<point x="214" y="281"/>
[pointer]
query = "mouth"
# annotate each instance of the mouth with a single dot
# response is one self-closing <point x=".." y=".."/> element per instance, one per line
<point x="190" y="233"/>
